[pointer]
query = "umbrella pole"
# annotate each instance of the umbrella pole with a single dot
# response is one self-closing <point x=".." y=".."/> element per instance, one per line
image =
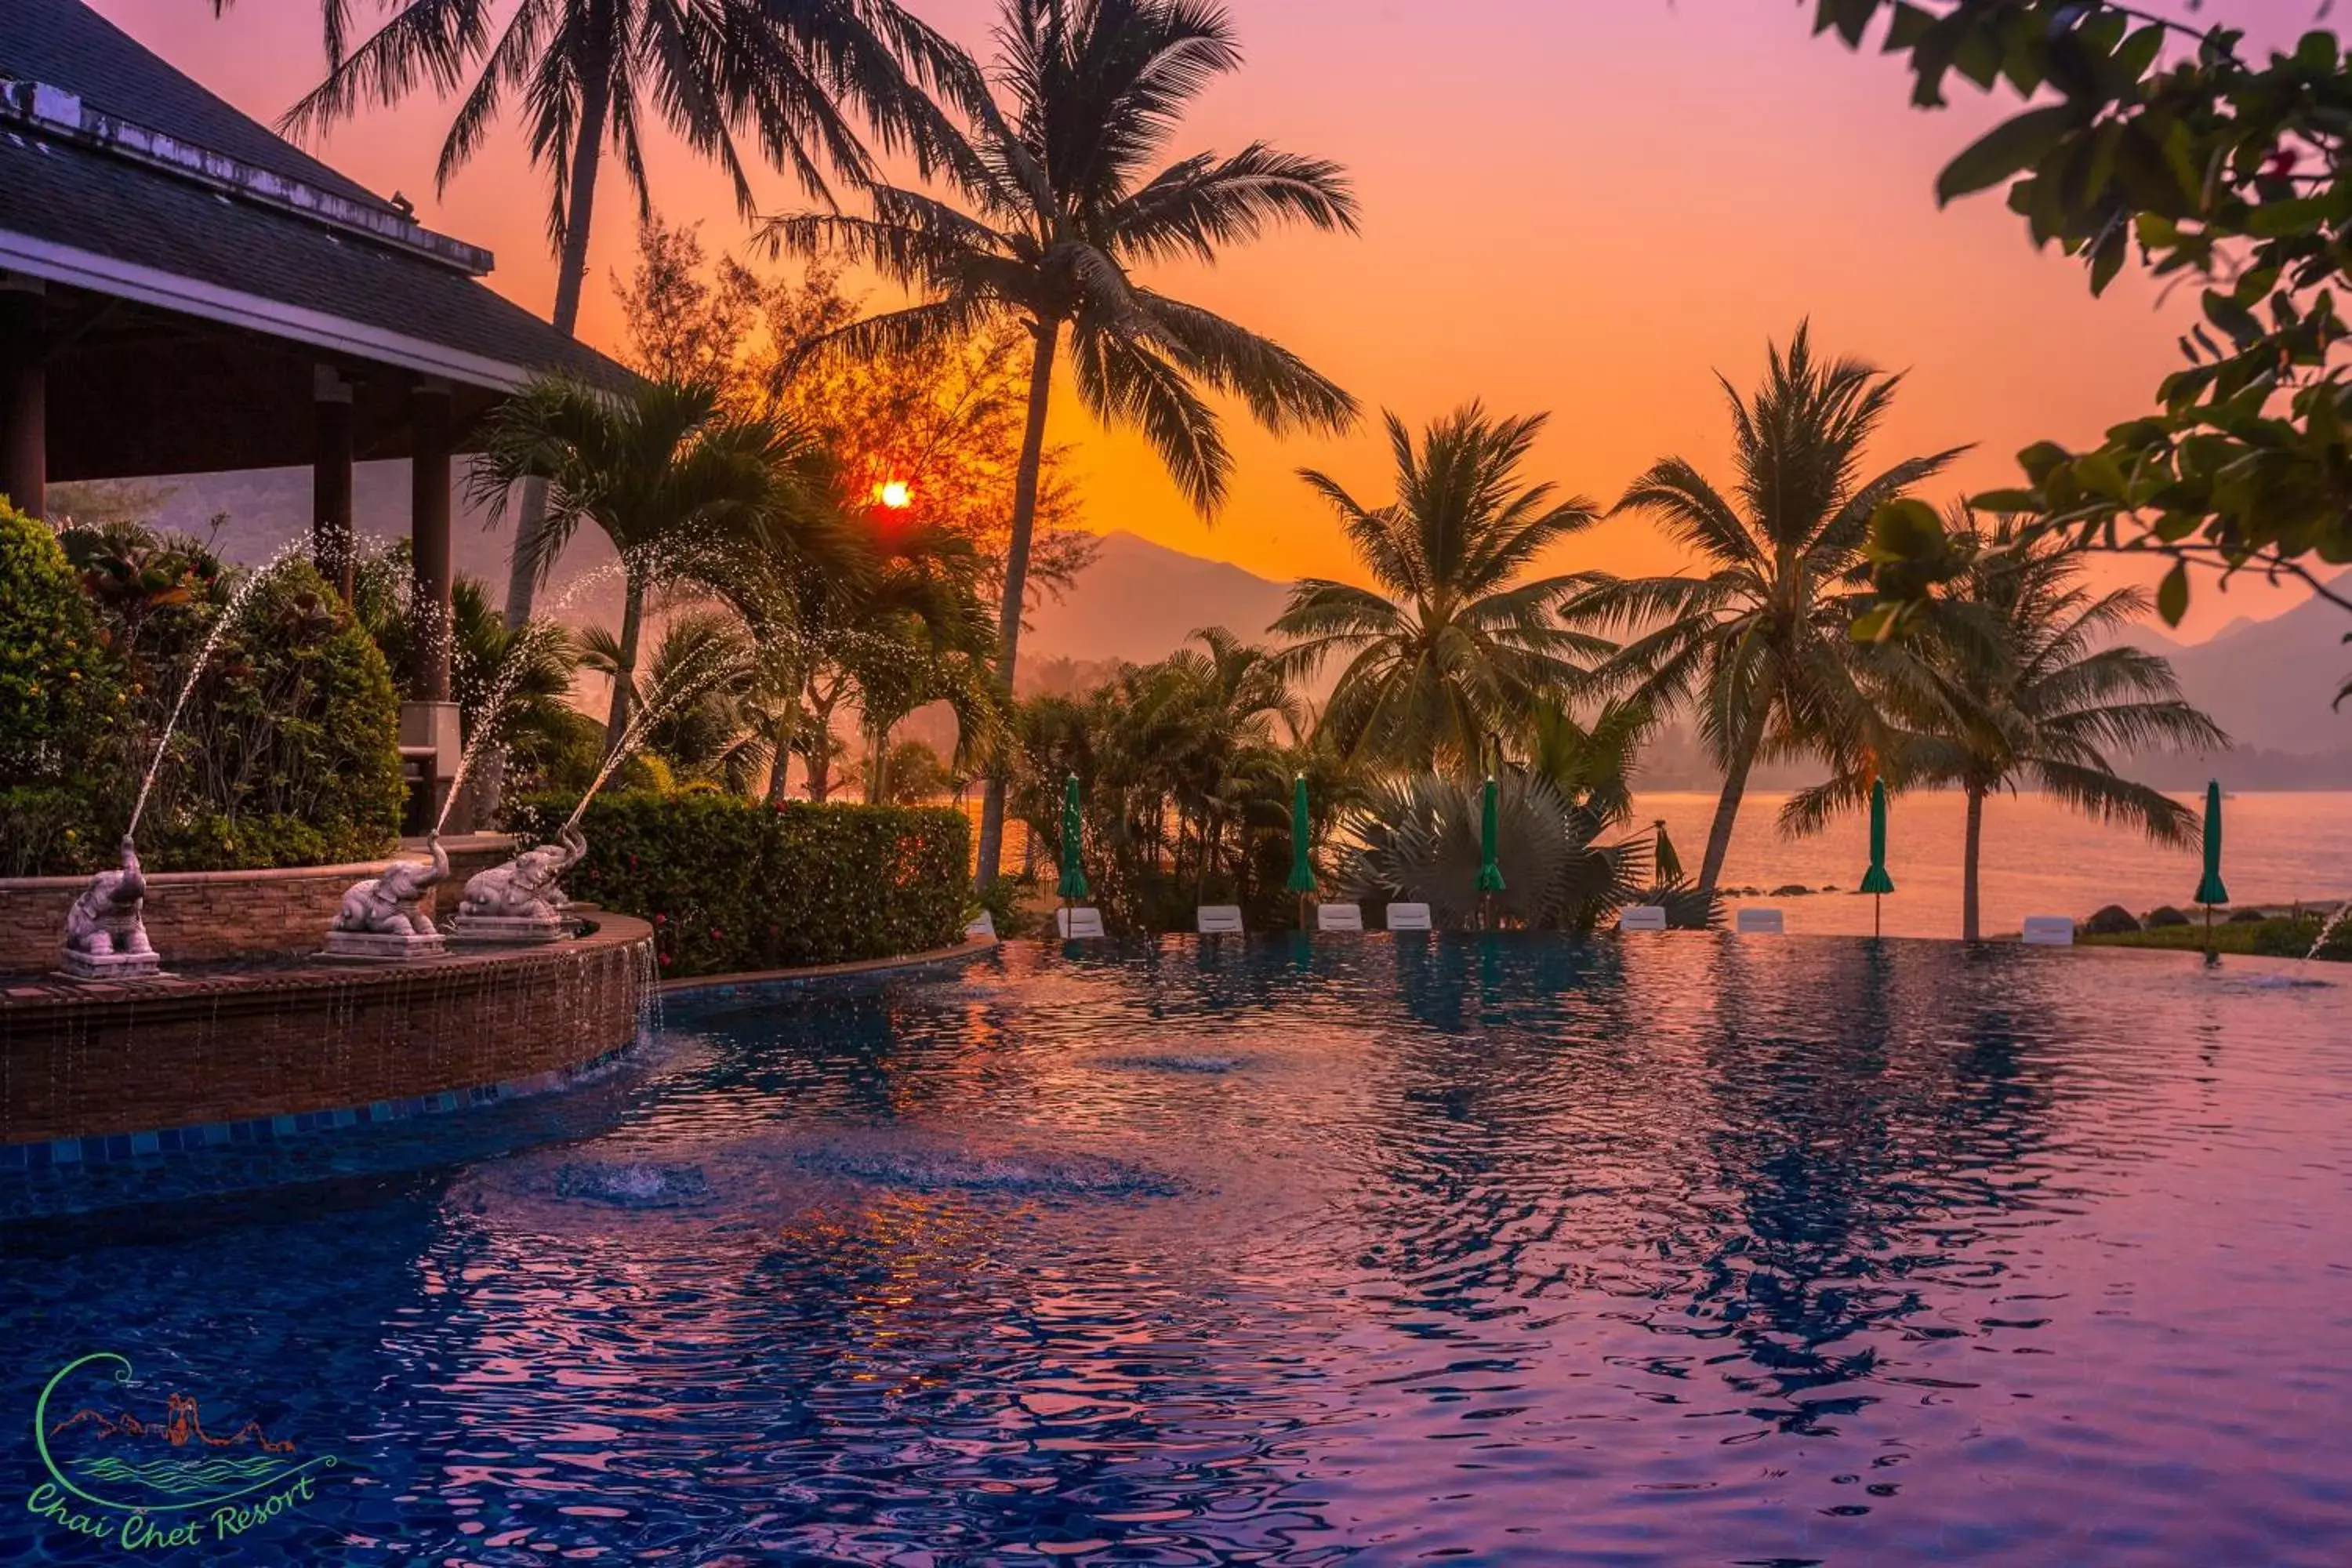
<point x="1302" y="911"/>
<point x="1875" y="899"/>
<point x="2209" y="931"/>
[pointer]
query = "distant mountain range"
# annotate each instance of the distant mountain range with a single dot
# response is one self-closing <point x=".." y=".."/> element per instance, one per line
<point x="2268" y="682"/>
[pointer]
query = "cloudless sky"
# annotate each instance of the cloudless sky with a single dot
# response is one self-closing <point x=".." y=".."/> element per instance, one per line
<point x="1584" y="206"/>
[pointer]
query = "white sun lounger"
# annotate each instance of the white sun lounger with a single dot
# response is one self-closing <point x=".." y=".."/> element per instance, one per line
<point x="2048" y="931"/>
<point x="1078" y="924"/>
<point x="1338" y="917"/>
<point x="982" y="927"/>
<point x="1759" y="923"/>
<point x="1219" y="920"/>
<point x="1408" y="917"/>
<point x="1643" y="917"/>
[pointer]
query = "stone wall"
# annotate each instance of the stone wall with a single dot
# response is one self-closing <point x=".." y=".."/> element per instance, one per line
<point x="148" y="1054"/>
<point x="196" y="917"/>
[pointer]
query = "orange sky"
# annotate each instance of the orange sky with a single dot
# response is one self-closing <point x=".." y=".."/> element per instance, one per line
<point x="1580" y="206"/>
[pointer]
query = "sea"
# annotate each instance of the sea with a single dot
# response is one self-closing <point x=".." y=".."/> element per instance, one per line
<point x="2039" y="858"/>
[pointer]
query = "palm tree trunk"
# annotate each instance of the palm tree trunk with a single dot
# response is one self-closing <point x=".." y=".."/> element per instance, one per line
<point x="820" y="759"/>
<point x="1016" y="579"/>
<point x="1727" y="805"/>
<point x="624" y="677"/>
<point x="571" y="276"/>
<point x="1970" y="925"/>
<point x="876" y="761"/>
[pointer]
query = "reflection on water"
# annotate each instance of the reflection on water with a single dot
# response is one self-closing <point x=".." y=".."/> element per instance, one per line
<point x="1678" y="1251"/>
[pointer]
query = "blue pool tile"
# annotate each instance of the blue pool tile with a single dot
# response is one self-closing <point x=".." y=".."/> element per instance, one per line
<point x="145" y="1143"/>
<point x="282" y="1125"/>
<point x="116" y="1146"/>
<point x="216" y="1133"/>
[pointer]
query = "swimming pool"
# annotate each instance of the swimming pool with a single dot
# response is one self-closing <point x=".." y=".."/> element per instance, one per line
<point x="1512" y="1250"/>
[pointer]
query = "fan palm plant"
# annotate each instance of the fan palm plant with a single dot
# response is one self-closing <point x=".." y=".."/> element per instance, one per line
<point x="2015" y="677"/>
<point x="678" y="485"/>
<point x="1758" y="643"/>
<point x="1059" y="201"/>
<point x="1417" y="838"/>
<point x="787" y="74"/>
<point x="1456" y="648"/>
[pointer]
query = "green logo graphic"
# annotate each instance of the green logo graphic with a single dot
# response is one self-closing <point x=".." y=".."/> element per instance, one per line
<point x="159" y="1480"/>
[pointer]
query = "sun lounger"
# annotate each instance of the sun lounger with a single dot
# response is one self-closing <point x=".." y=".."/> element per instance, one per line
<point x="982" y="927"/>
<point x="1759" y="923"/>
<point x="2048" y="931"/>
<point x="1338" y="917"/>
<point x="1643" y="917"/>
<point x="1077" y="925"/>
<point x="1219" y="920"/>
<point x="1408" y="917"/>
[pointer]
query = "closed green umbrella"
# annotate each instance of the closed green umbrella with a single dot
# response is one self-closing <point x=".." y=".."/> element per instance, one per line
<point x="1302" y="861"/>
<point x="2211" y="889"/>
<point x="1666" y="865"/>
<point x="1876" y="881"/>
<point x="1073" y="884"/>
<point x="1490" y="831"/>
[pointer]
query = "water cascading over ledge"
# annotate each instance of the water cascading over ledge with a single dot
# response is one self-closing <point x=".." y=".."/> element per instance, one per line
<point x="85" y="1060"/>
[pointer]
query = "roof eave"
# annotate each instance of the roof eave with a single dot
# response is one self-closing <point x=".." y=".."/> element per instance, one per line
<point x="102" y="274"/>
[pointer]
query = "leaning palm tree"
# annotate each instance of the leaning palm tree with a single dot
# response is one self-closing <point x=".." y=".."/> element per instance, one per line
<point x="1760" y="643"/>
<point x="1456" y="648"/>
<point x="786" y="75"/>
<point x="676" y="483"/>
<point x="1059" y="201"/>
<point x="2015" y="676"/>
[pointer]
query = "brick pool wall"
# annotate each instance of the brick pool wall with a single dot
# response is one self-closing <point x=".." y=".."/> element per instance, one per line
<point x="197" y="917"/>
<point x="188" y="1050"/>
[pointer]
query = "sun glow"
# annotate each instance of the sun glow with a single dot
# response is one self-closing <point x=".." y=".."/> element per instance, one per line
<point x="894" y="495"/>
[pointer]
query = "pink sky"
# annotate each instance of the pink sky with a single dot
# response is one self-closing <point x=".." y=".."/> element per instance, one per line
<point x="1586" y="206"/>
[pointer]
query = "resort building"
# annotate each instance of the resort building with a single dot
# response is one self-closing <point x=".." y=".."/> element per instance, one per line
<point x="181" y="291"/>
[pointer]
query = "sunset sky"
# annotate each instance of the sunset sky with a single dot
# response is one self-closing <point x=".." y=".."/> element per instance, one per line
<point x="1586" y="206"/>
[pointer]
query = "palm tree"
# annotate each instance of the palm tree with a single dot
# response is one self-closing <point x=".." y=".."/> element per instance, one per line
<point x="678" y="485"/>
<point x="1456" y="648"/>
<point x="2014" y="677"/>
<point x="1760" y="643"/>
<point x="703" y="661"/>
<point x="785" y="74"/>
<point x="1062" y="203"/>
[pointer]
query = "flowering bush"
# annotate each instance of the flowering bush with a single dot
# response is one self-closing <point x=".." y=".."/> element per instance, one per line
<point x="732" y="885"/>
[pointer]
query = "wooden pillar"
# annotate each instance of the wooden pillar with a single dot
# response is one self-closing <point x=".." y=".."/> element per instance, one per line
<point x="331" y="544"/>
<point x="23" y="397"/>
<point x="428" y="503"/>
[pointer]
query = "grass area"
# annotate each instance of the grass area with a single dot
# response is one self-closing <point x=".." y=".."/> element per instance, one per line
<point x="2279" y="937"/>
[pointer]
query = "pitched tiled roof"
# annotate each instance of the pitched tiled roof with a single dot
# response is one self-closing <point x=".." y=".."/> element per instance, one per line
<point x="80" y="215"/>
<point x="66" y="44"/>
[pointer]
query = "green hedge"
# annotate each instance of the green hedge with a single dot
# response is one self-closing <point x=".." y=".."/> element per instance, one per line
<point x="732" y="885"/>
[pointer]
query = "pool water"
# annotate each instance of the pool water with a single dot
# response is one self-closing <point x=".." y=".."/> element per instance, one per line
<point x="1510" y="1251"/>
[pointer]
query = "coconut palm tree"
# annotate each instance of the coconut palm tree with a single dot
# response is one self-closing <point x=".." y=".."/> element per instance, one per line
<point x="2015" y="677"/>
<point x="680" y="487"/>
<point x="1456" y="648"/>
<point x="786" y="76"/>
<point x="1060" y="200"/>
<point x="1758" y="644"/>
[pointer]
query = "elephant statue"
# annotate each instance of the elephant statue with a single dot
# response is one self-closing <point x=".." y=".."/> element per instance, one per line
<point x="524" y="888"/>
<point x="106" y="930"/>
<point x="385" y="904"/>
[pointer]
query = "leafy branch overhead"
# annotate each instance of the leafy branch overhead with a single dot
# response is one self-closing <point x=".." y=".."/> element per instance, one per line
<point x="2220" y="170"/>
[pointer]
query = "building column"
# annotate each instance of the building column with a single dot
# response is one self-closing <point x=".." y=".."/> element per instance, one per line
<point x="428" y="503"/>
<point x="24" y="397"/>
<point x="332" y="544"/>
<point x="429" y="725"/>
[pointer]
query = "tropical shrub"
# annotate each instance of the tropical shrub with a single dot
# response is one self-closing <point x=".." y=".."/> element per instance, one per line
<point x="732" y="885"/>
<point x="45" y="831"/>
<point x="62" y="700"/>
<point x="1417" y="839"/>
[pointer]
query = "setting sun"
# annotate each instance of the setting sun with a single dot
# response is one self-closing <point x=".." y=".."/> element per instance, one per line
<point x="894" y="495"/>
